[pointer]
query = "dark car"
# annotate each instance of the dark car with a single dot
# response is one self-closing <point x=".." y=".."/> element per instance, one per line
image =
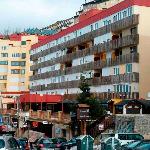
<point x="135" y="145"/>
<point x="71" y="143"/>
<point x="143" y="147"/>
<point x="44" y="143"/>
<point x="23" y="142"/>
<point x="59" y="142"/>
<point x="8" y="142"/>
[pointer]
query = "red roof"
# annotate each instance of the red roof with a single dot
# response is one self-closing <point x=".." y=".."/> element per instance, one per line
<point x="103" y="14"/>
<point x="36" y="98"/>
<point x="1" y="36"/>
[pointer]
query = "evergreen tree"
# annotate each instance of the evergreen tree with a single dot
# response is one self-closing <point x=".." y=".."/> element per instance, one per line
<point x="85" y="97"/>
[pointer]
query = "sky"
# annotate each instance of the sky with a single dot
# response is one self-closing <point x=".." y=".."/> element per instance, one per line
<point x="21" y="14"/>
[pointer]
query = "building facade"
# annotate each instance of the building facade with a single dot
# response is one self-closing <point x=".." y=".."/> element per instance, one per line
<point x="14" y="67"/>
<point x="111" y="49"/>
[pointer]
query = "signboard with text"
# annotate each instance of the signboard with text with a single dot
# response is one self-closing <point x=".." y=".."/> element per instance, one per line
<point x="83" y="113"/>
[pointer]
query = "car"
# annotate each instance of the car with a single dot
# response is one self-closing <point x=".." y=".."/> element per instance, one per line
<point x="24" y="144"/>
<point x="59" y="142"/>
<point x="44" y="143"/>
<point x="110" y="143"/>
<point x="134" y="145"/>
<point x="124" y="138"/>
<point x="8" y="142"/>
<point x="72" y="142"/>
<point x="144" y="147"/>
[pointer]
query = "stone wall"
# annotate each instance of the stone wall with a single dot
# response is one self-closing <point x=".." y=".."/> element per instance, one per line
<point x="133" y="123"/>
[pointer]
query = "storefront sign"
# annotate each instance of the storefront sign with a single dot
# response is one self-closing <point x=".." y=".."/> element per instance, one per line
<point x="83" y="113"/>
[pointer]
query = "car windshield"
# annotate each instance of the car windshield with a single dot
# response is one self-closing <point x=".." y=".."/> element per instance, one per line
<point x="133" y="144"/>
<point x="144" y="147"/>
<point x="2" y="143"/>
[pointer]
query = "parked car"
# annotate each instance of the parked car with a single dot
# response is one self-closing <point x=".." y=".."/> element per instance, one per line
<point x="59" y="142"/>
<point x="44" y="143"/>
<point x="124" y="138"/>
<point x="134" y="145"/>
<point x="70" y="143"/>
<point x="8" y="142"/>
<point x="143" y="147"/>
<point x="24" y="144"/>
<point x="110" y="143"/>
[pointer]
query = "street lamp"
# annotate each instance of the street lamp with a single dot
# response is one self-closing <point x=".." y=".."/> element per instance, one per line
<point x="62" y="104"/>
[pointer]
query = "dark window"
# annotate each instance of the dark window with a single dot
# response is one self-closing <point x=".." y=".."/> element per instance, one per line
<point x="3" y="62"/>
<point x="4" y="54"/>
<point x="23" y="42"/>
<point x="22" y="63"/>
<point x="3" y="77"/>
<point x="18" y="63"/>
<point x="15" y="71"/>
<point x="133" y="30"/>
<point x="23" y="55"/>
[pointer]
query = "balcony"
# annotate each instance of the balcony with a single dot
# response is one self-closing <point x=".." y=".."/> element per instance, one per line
<point x="57" y="117"/>
<point x="129" y="58"/>
<point x="11" y="112"/>
<point x="114" y="27"/>
<point x="126" y="41"/>
<point x="113" y="79"/>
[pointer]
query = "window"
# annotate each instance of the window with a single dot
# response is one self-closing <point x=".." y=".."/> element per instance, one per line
<point x="91" y="27"/>
<point x="18" y="63"/>
<point x="133" y="49"/>
<point x="15" y="71"/>
<point x="133" y="30"/>
<point x="96" y="26"/>
<point x="22" y="71"/>
<point x="124" y="14"/>
<point x="3" y="62"/>
<point x="128" y="68"/>
<point x="116" y="71"/>
<point x="23" y="42"/>
<point x="4" y="54"/>
<point x="23" y="56"/>
<point x="3" y="77"/>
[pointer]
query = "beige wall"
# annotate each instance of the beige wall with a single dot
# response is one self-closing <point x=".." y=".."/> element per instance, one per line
<point x="144" y="50"/>
<point x="16" y="48"/>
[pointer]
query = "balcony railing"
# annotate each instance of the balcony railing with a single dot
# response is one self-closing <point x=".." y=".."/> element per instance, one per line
<point x="114" y="27"/>
<point x="58" y="117"/>
<point x="129" y="40"/>
<point x="11" y="112"/>
<point x="113" y="79"/>
<point x="129" y="58"/>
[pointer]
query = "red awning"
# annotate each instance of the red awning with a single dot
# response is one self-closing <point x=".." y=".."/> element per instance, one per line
<point x="37" y="98"/>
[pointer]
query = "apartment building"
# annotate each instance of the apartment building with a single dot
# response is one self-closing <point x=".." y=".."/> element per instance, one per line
<point x="110" y="48"/>
<point x="15" y="63"/>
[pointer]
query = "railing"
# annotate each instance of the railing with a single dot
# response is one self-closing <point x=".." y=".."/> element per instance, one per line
<point x="114" y="27"/>
<point x="113" y="79"/>
<point x="58" y="117"/>
<point x="129" y="58"/>
<point x="129" y="40"/>
<point x="11" y="112"/>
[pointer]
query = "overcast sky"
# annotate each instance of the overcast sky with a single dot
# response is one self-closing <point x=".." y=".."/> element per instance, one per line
<point x="20" y="14"/>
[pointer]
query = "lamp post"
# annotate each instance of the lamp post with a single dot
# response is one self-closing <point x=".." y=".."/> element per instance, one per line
<point x="62" y="104"/>
<point x="16" y="99"/>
